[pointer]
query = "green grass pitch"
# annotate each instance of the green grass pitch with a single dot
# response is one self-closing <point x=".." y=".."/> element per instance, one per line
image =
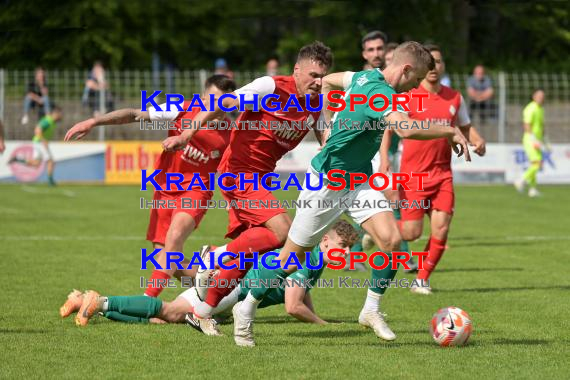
<point x="507" y="266"/>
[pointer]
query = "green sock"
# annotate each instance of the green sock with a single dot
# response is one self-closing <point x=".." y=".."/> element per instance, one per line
<point x="264" y="282"/>
<point x="381" y="278"/>
<point x="530" y="174"/>
<point x="118" y="317"/>
<point x="135" y="306"/>
<point x="404" y="247"/>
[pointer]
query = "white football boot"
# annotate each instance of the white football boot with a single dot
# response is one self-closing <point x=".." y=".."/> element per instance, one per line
<point x="520" y="185"/>
<point x="375" y="321"/>
<point x="203" y="275"/>
<point x="243" y="328"/>
<point x="533" y="192"/>
<point x="207" y="326"/>
<point x="424" y="290"/>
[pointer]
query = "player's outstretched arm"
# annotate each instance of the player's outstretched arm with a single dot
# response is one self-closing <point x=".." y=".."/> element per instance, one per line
<point x="385" y="152"/>
<point x="118" y="117"/>
<point x="295" y="305"/>
<point x="400" y="123"/>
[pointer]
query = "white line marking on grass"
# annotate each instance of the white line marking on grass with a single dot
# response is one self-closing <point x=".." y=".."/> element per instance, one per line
<point x="35" y="190"/>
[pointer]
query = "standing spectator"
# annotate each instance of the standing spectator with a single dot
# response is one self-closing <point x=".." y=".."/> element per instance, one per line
<point x="480" y="92"/>
<point x="96" y="83"/>
<point x="222" y="68"/>
<point x="36" y="95"/>
<point x="272" y="67"/>
<point x="373" y="49"/>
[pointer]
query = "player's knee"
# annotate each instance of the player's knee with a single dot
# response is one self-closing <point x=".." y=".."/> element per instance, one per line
<point x="390" y="242"/>
<point x="441" y="231"/>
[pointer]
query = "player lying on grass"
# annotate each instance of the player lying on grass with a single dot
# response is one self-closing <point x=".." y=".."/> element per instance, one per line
<point x="169" y="228"/>
<point x="352" y="150"/>
<point x="141" y="309"/>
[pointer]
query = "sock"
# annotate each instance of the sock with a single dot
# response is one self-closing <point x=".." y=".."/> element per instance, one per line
<point x="118" y="317"/>
<point x="135" y="306"/>
<point x="435" y="248"/>
<point x="256" y="239"/>
<point x="530" y="174"/>
<point x="105" y="305"/>
<point x="249" y="306"/>
<point x="227" y="302"/>
<point x="372" y="303"/>
<point x="153" y="290"/>
<point x="381" y="278"/>
<point x="217" y="293"/>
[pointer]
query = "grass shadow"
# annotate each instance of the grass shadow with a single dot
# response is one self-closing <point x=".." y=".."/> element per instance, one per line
<point x="505" y="289"/>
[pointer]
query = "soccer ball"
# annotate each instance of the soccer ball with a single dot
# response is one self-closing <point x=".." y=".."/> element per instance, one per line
<point x="450" y="326"/>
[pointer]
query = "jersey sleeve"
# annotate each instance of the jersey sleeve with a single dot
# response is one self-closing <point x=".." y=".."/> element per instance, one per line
<point x="163" y="115"/>
<point x="379" y="103"/>
<point x="347" y="79"/>
<point x="462" y="115"/>
<point x="261" y="86"/>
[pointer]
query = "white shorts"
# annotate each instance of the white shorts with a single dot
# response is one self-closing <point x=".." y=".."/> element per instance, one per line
<point x="394" y="162"/>
<point x="41" y="152"/>
<point x="311" y="223"/>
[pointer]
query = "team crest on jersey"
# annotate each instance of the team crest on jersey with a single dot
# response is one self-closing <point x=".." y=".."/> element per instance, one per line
<point x="215" y="154"/>
<point x="362" y="80"/>
<point x="452" y="110"/>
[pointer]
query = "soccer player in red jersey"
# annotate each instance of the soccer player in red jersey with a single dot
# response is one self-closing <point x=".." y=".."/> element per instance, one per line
<point x="257" y="151"/>
<point x="445" y="106"/>
<point x="169" y="228"/>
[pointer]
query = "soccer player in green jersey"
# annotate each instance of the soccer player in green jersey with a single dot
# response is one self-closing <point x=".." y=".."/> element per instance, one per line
<point x="533" y="142"/>
<point x="142" y="309"/>
<point x="352" y="150"/>
<point x="42" y="135"/>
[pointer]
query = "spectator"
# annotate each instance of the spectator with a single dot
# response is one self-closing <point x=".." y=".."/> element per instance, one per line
<point x="96" y="83"/>
<point x="222" y="68"/>
<point x="390" y="47"/>
<point x="373" y="49"/>
<point x="37" y="95"/>
<point x="480" y="92"/>
<point x="272" y="67"/>
<point x="2" y="145"/>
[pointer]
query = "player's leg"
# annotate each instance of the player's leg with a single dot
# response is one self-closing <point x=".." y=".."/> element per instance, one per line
<point x="530" y="177"/>
<point x="439" y="222"/>
<point x="534" y="155"/>
<point x="134" y="306"/>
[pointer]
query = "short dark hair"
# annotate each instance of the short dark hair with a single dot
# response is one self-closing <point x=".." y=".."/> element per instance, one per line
<point x="416" y="50"/>
<point x="374" y="35"/>
<point x="55" y="107"/>
<point x="223" y="82"/>
<point x="346" y="232"/>
<point x="391" y="46"/>
<point x="317" y="51"/>
<point x="432" y="47"/>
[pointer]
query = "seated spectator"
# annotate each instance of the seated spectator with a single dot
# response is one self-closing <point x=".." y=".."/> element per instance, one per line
<point x="36" y="95"/>
<point x="221" y="68"/>
<point x="93" y="86"/>
<point x="480" y="92"/>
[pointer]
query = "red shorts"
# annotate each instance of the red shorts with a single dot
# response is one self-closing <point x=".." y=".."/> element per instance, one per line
<point x="243" y="217"/>
<point x="439" y="193"/>
<point x="160" y="218"/>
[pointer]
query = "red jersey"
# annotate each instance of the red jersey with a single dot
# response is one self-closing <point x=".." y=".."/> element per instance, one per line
<point x="257" y="151"/>
<point x="202" y="154"/>
<point x="434" y="156"/>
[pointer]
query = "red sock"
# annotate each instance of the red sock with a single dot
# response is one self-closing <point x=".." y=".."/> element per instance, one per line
<point x="435" y="247"/>
<point x="215" y="294"/>
<point x="153" y="290"/>
<point x="256" y="239"/>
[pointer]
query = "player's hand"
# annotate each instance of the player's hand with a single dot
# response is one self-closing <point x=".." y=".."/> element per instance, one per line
<point x="459" y="144"/>
<point x="385" y="167"/>
<point x="173" y="143"/>
<point x="79" y="130"/>
<point x="479" y="147"/>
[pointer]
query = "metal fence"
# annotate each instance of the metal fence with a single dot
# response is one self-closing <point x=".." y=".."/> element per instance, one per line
<point x="501" y="121"/>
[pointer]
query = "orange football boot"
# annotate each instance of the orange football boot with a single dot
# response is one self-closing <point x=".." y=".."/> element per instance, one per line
<point x="89" y="307"/>
<point x="72" y="304"/>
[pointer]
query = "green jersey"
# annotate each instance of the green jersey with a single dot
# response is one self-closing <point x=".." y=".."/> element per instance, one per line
<point x="47" y="124"/>
<point x="533" y="114"/>
<point x="352" y="148"/>
<point x="276" y="296"/>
